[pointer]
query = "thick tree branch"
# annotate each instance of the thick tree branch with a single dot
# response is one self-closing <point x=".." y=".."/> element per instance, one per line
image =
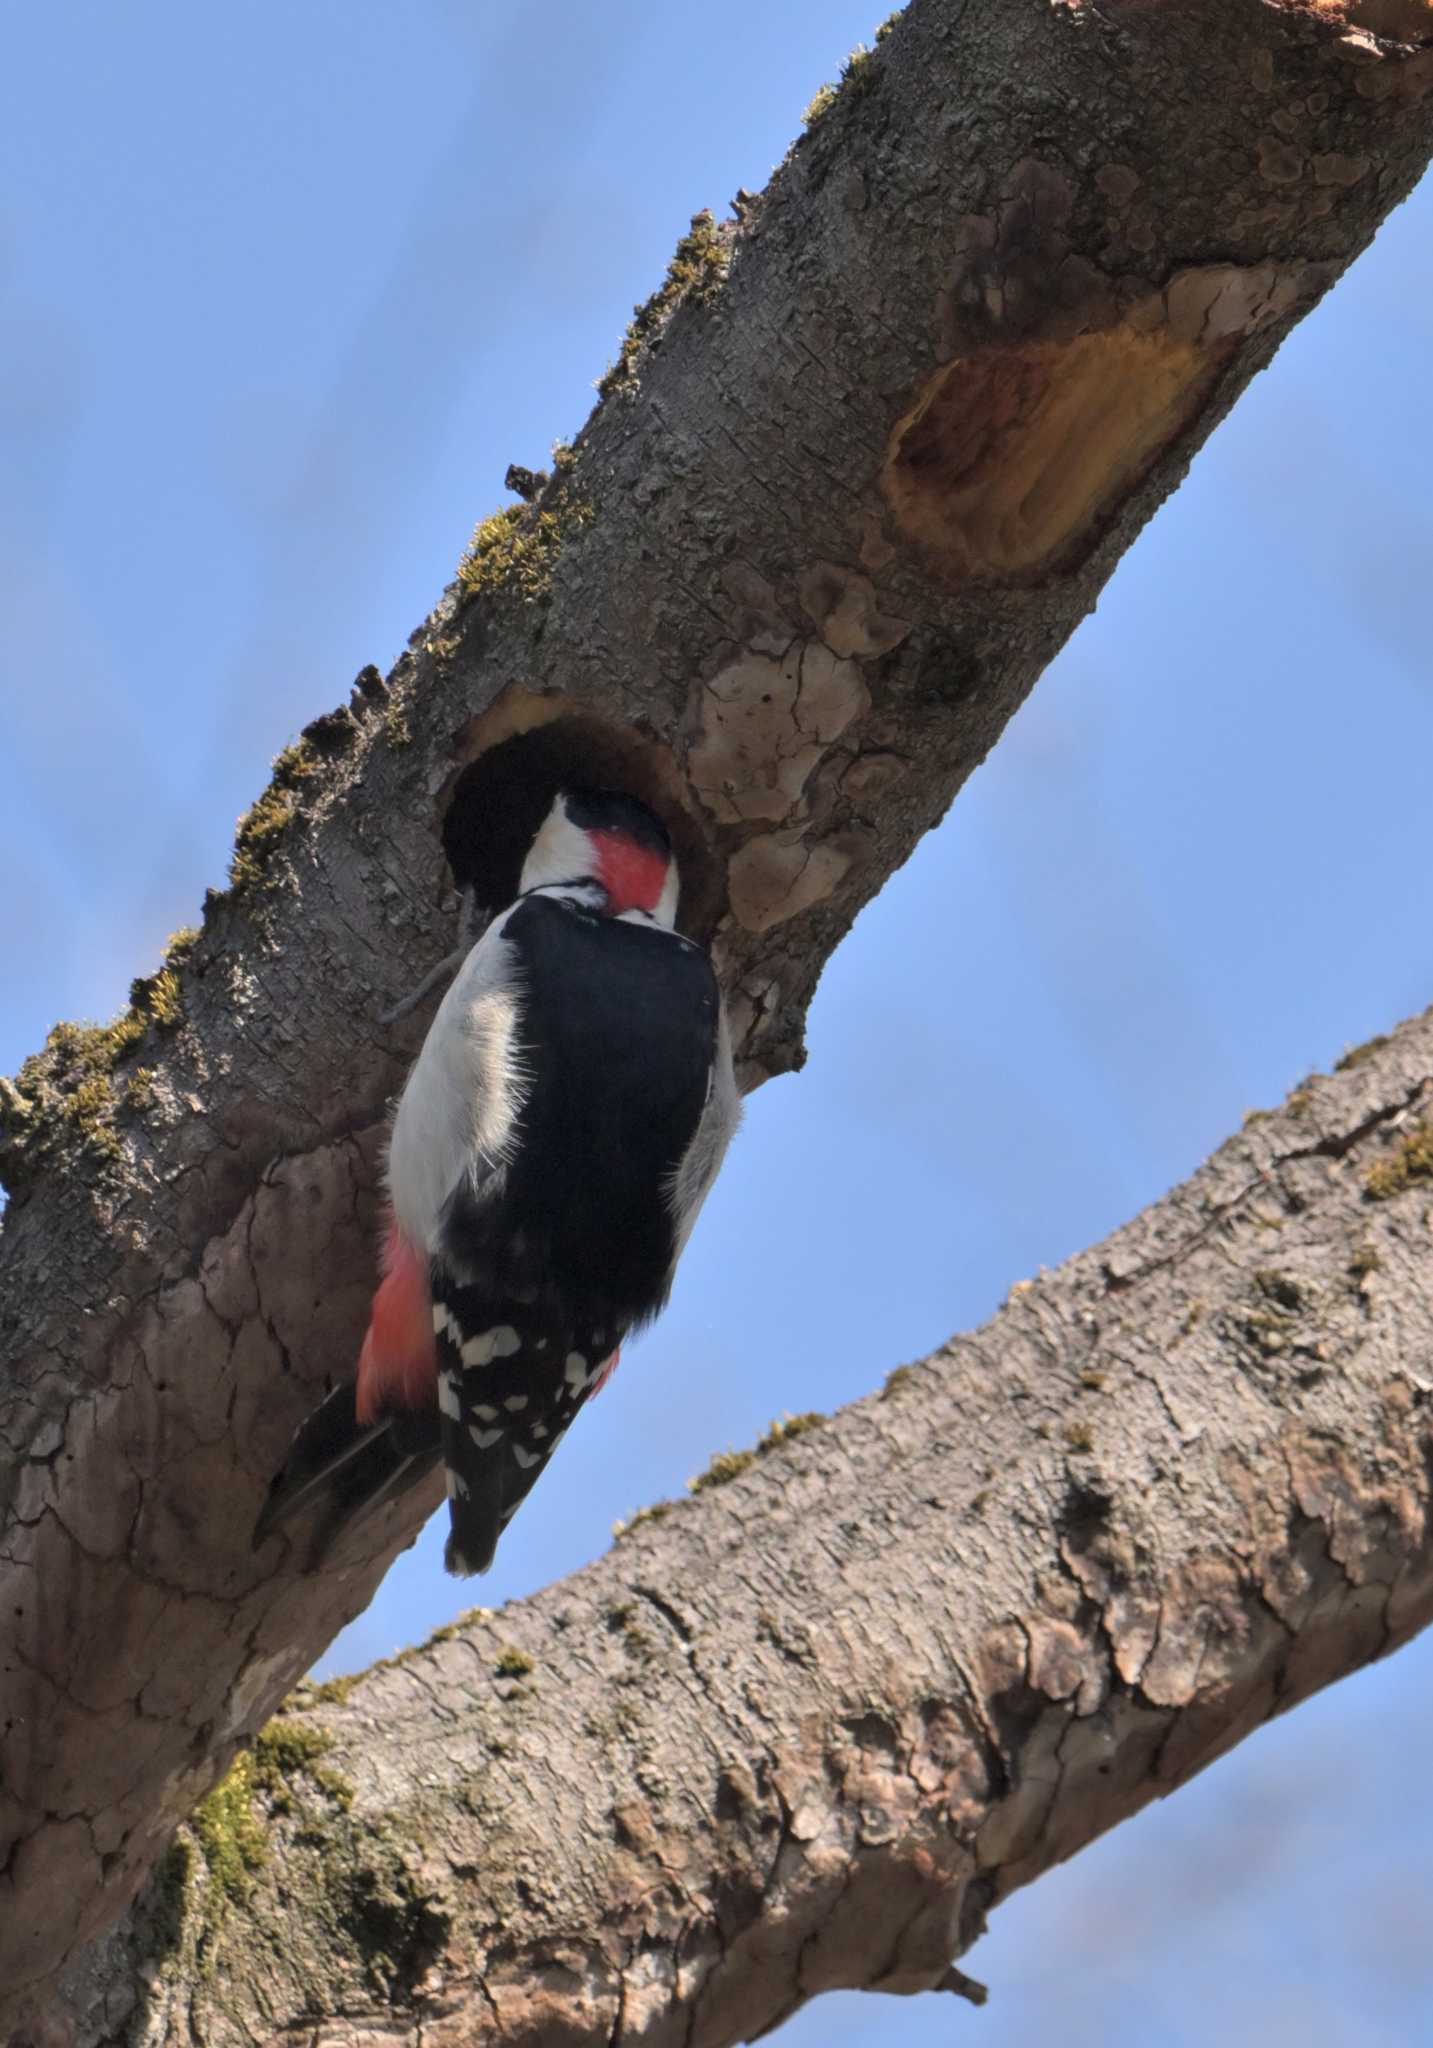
<point x="804" y="1730"/>
<point x="869" y="460"/>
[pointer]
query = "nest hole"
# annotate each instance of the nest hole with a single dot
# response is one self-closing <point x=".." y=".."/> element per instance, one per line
<point x="527" y="748"/>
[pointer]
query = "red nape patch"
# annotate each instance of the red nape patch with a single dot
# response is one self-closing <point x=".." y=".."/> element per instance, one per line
<point x="634" y="876"/>
<point x="398" y="1365"/>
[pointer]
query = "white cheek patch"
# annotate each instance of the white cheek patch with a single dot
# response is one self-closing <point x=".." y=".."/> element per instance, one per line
<point x="448" y="1401"/>
<point x="483" y="1438"/>
<point x="561" y="852"/>
<point x="666" y="907"/>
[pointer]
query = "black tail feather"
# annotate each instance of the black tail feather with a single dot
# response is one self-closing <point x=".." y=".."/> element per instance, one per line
<point x="512" y="1375"/>
<point x="476" y="1526"/>
<point x="347" y="1468"/>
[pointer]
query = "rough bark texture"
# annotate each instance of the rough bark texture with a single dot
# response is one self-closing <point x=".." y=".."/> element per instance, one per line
<point x="870" y="460"/>
<point x="804" y="1730"/>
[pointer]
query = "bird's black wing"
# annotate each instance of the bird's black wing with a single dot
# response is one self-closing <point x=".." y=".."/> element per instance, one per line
<point x="349" y="1466"/>
<point x="533" y="1291"/>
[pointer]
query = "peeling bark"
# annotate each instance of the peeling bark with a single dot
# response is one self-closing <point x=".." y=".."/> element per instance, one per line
<point x="881" y="441"/>
<point x="804" y="1730"/>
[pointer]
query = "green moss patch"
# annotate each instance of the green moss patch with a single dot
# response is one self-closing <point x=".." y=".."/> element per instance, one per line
<point x="724" y="1467"/>
<point x="899" y="1381"/>
<point x="511" y="546"/>
<point x="789" y="1428"/>
<point x="378" y="1921"/>
<point x="334" y="732"/>
<point x="859" y="75"/>
<point x="331" y="1692"/>
<point x="515" y="549"/>
<point x="289" y="1749"/>
<point x="157" y="998"/>
<point x="695" y="276"/>
<point x="65" y="1091"/>
<point x="396" y="727"/>
<point x="229" y="1832"/>
<point x="1357" y="1054"/>
<point x="654" y="1513"/>
<point x="728" y="1465"/>
<point x="230" y="1827"/>
<point x="327" y="1692"/>
<point x="1407" y="1164"/>
<point x="263" y="826"/>
<point x="393" y="1920"/>
<point x="69" y="1089"/>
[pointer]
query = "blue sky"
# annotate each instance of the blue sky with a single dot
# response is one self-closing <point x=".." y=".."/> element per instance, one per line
<point x="284" y="291"/>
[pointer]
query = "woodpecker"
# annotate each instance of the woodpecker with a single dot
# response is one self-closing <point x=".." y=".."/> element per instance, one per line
<point x="559" y="1131"/>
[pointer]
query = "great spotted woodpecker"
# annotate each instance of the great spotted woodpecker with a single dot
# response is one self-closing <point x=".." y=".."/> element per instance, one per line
<point x="557" y="1136"/>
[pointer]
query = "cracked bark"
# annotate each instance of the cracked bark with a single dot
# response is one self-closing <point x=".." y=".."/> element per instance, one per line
<point x="885" y="455"/>
<point x="807" y="1728"/>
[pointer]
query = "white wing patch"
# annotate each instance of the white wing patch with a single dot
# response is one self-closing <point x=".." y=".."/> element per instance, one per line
<point x="501" y="1342"/>
<point x="701" y="1162"/>
<point x="459" y="1109"/>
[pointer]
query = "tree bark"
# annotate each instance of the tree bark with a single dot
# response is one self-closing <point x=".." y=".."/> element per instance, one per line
<point x="805" y="1729"/>
<point x="867" y="461"/>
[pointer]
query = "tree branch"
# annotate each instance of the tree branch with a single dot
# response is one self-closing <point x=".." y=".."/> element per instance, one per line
<point x="804" y="1730"/>
<point x="867" y="460"/>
